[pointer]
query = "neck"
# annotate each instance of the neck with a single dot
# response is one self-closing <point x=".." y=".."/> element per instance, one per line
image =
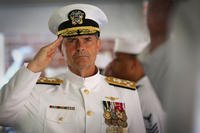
<point x="84" y="72"/>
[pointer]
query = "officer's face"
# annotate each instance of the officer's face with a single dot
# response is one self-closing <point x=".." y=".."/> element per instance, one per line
<point x="81" y="51"/>
<point x="120" y="67"/>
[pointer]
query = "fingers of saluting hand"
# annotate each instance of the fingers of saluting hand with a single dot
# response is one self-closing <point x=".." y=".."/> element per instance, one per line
<point x="57" y="42"/>
<point x="45" y="55"/>
<point x="53" y="46"/>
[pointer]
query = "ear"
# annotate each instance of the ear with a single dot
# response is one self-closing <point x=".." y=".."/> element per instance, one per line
<point x="98" y="44"/>
<point x="61" y="49"/>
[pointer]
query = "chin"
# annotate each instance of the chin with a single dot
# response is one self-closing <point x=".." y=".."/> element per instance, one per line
<point x="83" y="64"/>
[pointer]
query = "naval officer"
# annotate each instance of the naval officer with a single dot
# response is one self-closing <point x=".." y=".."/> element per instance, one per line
<point x="80" y="100"/>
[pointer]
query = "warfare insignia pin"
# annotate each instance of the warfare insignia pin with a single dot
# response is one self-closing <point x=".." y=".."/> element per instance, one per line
<point x="76" y="17"/>
<point x="112" y="98"/>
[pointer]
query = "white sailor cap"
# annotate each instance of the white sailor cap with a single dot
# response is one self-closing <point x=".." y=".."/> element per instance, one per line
<point x="77" y="19"/>
<point x="130" y="45"/>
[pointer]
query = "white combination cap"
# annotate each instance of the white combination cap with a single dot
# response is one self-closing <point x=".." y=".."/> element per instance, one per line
<point x="130" y="46"/>
<point x="77" y="19"/>
<point x="138" y="37"/>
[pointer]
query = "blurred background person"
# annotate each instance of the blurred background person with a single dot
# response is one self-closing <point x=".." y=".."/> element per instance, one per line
<point x="154" y="58"/>
<point x="173" y="63"/>
<point x="126" y="65"/>
<point x="182" y="94"/>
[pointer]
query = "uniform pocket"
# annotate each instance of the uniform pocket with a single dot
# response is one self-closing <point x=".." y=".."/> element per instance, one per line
<point x="60" y="120"/>
<point x="60" y="115"/>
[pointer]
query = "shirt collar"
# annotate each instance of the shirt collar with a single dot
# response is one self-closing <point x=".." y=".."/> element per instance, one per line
<point x="89" y="82"/>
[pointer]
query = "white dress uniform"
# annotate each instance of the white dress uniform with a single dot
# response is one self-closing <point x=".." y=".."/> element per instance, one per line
<point x="75" y="106"/>
<point x="153" y="114"/>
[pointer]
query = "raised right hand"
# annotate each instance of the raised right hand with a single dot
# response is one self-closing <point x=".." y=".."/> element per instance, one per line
<point x="44" y="57"/>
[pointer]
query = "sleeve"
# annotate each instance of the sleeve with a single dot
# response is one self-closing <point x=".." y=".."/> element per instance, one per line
<point x="14" y="94"/>
<point x="153" y="113"/>
<point x="135" y="114"/>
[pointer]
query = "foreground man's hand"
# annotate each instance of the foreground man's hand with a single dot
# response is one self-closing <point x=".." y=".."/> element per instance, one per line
<point x="44" y="57"/>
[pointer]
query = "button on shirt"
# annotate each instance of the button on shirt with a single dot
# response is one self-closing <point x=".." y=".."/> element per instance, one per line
<point x="76" y="106"/>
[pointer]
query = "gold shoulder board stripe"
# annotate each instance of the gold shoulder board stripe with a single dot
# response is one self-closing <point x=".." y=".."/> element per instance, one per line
<point x="121" y="83"/>
<point x="49" y="81"/>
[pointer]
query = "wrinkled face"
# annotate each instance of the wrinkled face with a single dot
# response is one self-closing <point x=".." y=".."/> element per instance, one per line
<point x="120" y="67"/>
<point x="81" y="51"/>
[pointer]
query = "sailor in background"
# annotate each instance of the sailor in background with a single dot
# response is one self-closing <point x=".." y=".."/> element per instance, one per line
<point x="183" y="91"/>
<point x="155" y="59"/>
<point x="126" y="65"/>
<point x="80" y="100"/>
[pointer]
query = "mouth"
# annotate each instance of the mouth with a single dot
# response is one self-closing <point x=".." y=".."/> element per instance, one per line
<point x="81" y="57"/>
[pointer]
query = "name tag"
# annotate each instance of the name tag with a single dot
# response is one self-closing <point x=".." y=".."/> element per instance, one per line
<point x="62" y="107"/>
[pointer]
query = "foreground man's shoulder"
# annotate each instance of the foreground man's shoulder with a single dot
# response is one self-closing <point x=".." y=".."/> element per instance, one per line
<point x="121" y="83"/>
<point x="49" y="81"/>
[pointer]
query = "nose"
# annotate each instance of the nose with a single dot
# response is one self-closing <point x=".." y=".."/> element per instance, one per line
<point x="80" y="45"/>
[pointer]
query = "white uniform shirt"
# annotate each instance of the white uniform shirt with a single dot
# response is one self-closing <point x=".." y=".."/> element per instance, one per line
<point x="153" y="114"/>
<point x="156" y="66"/>
<point x="26" y="106"/>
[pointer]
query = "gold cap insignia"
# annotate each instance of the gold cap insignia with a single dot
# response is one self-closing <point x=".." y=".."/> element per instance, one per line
<point x="76" y="17"/>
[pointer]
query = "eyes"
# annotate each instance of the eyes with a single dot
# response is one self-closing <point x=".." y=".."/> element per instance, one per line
<point x="83" y="41"/>
<point x="75" y="40"/>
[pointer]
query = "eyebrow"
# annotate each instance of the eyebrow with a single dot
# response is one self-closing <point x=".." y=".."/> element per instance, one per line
<point x="80" y="38"/>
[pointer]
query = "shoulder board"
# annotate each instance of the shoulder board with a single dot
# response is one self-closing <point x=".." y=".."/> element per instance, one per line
<point x="121" y="83"/>
<point x="49" y="81"/>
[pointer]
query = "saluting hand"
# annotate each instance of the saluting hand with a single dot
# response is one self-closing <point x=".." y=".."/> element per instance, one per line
<point x="44" y="57"/>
